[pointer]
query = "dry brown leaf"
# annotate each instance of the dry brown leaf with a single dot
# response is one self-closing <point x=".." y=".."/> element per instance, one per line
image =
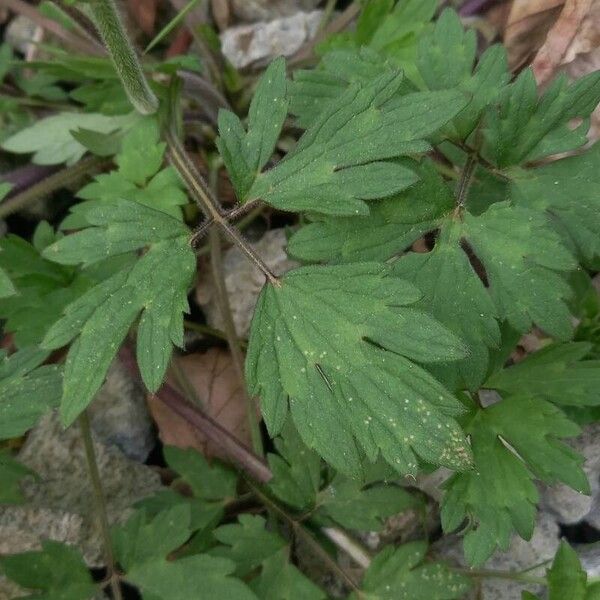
<point x="214" y="382"/>
<point x="559" y="39"/>
<point x="144" y="14"/>
<point x="528" y="24"/>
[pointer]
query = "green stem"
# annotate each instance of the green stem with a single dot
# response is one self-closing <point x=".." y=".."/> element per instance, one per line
<point x="111" y="30"/>
<point x="222" y="296"/>
<point x="90" y="455"/>
<point x="306" y="536"/>
<point x="50" y="184"/>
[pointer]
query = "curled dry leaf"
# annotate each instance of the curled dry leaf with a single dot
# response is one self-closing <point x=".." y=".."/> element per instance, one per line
<point x="528" y="24"/>
<point x="213" y="382"/>
<point x="560" y="38"/>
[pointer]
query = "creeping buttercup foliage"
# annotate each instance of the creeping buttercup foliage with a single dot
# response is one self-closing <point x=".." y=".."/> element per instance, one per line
<point x="439" y="206"/>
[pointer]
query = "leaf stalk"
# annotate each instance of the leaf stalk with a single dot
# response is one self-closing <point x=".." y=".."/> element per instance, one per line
<point x="94" y="473"/>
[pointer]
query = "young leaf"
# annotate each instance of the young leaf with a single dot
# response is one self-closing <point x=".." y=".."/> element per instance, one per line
<point x="401" y="574"/>
<point x="50" y="139"/>
<point x="156" y="285"/>
<point x="445" y="61"/>
<point x="556" y="373"/>
<point x="11" y="473"/>
<point x="344" y="391"/>
<point x="141" y="153"/>
<point x="295" y="482"/>
<point x="354" y="506"/>
<point x="27" y="390"/>
<point x="281" y="580"/>
<point x="343" y="158"/>
<point x="499" y="495"/>
<point x="247" y="543"/>
<point x="246" y="153"/>
<point x="522" y="127"/>
<point x="56" y="572"/>
<point x="209" y="482"/>
<point x="566" y="578"/>
<point x="142" y="546"/>
<point x="312" y="90"/>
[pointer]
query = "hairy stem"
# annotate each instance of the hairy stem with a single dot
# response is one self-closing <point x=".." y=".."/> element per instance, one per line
<point x="90" y="455"/>
<point x="222" y="296"/>
<point x="306" y="536"/>
<point x="50" y="184"/>
<point x="111" y="30"/>
<point x="207" y="203"/>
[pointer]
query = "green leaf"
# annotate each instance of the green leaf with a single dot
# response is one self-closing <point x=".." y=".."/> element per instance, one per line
<point x="522" y="127"/>
<point x="344" y="392"/>
<point x="27" y="390"/>
<point x="401" y="574"/>
<point x="445" y="61"/>
<point x="142" y="546"/>
<point x="566" y="578"/>
<point x="556" y="373"/>
<point x="50" y="139"/>
<point x="281" y="580"/>
<point x="391" y="226"/>
<point x="209" y="482"/>
<point x="343" y="158"/>
<point x="355" y="506"/>
<point x="312" y="90"/>
<point x="141" y="153"/>
<point x="523" y="260"/>
<point x="100" y="144"/>
<point x="567" y="191"/>
<point x="57" y="572"/>
<point x="247" y="543"/>
<point x="246" y="153"/>
<point x="512" y="441"/>
<point x="11" y="473"/>
<point x="7" y="288"/>
<point x="296" y="470"/>
<point x="156" y="285"/>
<point x="457" y="297"/>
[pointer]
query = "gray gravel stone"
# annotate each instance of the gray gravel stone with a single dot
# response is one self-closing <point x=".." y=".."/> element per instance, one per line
<point x="265" y="10"/>
<point x="119" y="415"/>
<point x="244" y="280"/>
<point x="566" y="504"/>
<point x="60" y="504"/>
<point x="246" y="44"/>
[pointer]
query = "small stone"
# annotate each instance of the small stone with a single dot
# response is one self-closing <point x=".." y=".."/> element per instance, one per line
<point x="244" y="280"/>
<point x="60" y="502"/>
<point x="565" y="503"/>
<point x="265" y="10"/>
<point x="119" y="415"/>
<point x="246" y="44"/>
<point x="521" y="555"/>
<point x="22" y="34"/>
